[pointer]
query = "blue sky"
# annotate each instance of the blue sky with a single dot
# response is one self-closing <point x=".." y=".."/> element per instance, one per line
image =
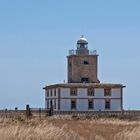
<point x="35" y="36"/>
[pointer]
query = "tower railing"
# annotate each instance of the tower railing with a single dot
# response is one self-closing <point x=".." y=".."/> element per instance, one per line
<point x="91" y="52"/>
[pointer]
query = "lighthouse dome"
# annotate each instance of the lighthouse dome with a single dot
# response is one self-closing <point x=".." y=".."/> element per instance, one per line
<point x="82" y="40"/>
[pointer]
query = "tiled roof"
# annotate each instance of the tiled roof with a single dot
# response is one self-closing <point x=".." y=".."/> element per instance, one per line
<point x="85" y="85"/>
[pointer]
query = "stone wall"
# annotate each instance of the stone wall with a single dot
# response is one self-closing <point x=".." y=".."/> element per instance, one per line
<point x="82" y="66"/>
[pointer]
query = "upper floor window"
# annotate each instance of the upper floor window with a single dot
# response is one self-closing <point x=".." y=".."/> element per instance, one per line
<point x="85" y="62"/>
<point x="107" y="92"/>
<point x="73" y="91"/>
<point x="90" y="92"/>
<point x="84" y="80"/>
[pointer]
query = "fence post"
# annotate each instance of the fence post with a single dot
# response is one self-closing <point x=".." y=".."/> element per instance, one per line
<point x="15" y="114"/>
<point x="28" y="113"/>
<point x="51" y="110"/>
<point x="6" y="112"/>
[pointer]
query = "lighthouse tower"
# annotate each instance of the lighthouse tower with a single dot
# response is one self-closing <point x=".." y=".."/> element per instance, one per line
<point x="82" y="64"/>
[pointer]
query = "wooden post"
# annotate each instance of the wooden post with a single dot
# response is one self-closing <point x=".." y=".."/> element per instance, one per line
<point x="15" y="113"/>
<point x="51" y="109"/>
<point x="50" y="112"/>
<point x="28" y="112"/>
<point x="16" y="108"/>
<point x="6" y="112"/>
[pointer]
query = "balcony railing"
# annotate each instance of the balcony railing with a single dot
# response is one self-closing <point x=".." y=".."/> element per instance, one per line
<point x="91" y="52"/>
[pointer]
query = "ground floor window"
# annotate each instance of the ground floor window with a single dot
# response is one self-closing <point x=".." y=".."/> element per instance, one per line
<point x="51" y="103"/>
<point x="73" y="104"/>
<point x="107" y="104"/>
<point x="90" y="104"/>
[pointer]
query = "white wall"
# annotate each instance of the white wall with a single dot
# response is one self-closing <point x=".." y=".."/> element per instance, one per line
<point x="99" y="104"/>
<point x="82" y="92"/>
<point x="115" y="105"/>
<point x="99" y="93"/>
<point x="56" y="104"/>
<point x="82" y="104"/>
<point x="65" y="104"/>
<point x="65" y="92"/>
<point x="45" y="99"/>
<point x="46" y="103"/>
<point x="56" y="92"/>
<point x="116" y="92"/>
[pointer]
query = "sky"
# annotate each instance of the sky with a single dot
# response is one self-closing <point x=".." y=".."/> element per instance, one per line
<point x="35" y="36"/>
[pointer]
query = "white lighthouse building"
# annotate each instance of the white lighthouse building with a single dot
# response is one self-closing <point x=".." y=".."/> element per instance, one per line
<point x="83" y="91"/>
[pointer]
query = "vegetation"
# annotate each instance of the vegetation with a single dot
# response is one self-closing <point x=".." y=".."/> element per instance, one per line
<point x="69" y="128"/>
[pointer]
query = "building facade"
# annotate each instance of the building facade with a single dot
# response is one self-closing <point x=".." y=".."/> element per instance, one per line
<point x="84" y="92"/>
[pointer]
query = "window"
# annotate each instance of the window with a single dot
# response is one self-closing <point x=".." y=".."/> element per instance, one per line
<point x="90" y="92"/>
<point x="54" y="92"/>
<point x="73" y="104"/>
<point x="47" y="93"/>
<point x="90" y="104"/>
<point x="50" y="104"/>
<point x="107" y="104"/>
<point x="73" y="92"/>
<point x="84" y="80"/>
<point x="107" y="92"/>
<point x="85" y="62"/>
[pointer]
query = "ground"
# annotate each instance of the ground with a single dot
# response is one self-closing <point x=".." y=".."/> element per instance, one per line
<point x="69" y="128"/>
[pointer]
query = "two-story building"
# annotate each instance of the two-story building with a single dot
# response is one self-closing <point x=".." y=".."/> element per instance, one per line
<point x="84" y="92"/>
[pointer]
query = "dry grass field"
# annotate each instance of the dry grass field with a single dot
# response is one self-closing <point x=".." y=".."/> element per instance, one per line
<point x="69" y="128"/>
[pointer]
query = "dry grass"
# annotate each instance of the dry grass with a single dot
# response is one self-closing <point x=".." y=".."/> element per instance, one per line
<point x="67" y="128"/>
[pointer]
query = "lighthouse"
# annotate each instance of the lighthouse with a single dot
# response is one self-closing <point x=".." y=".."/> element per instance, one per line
<point x="83" y="90"/>
<point x="82" y="64"/>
